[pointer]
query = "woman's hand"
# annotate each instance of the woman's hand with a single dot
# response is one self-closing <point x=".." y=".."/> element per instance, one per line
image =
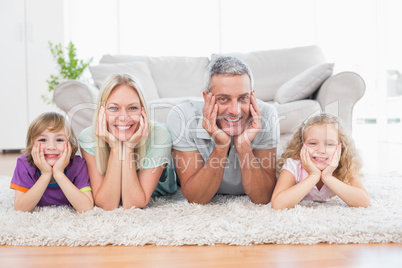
<point x="101" y="129"/>
<point x="64" y="159"/>
<point x="307" y="164"/>
<point x="142" y="132"/>
<point x="328" y="170"/>
<point x="39" y="159"/>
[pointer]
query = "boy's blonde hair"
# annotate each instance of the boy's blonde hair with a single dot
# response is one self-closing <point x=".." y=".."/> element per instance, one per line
<point x="349" y="163"/>
<point x="52" y="122"/>
<point x="102" y="149"/>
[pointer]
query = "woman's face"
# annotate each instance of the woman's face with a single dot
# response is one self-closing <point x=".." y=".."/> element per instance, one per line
<point x="123" y="111"/>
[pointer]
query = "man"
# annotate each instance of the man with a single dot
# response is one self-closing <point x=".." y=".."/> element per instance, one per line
<point x="227" y="143"/>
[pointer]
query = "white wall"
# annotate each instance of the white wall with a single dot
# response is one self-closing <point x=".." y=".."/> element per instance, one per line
<point x="358" y="35"/>
<point x="25" y="29"/>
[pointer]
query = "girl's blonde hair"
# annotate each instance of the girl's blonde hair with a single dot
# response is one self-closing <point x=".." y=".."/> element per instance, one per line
<point x="349" y="164"/>
<point x="102" y="149"/>
<point x="52" y="122"/>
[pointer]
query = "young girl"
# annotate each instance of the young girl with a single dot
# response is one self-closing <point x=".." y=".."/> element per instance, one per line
<point x="128" y="157"/>
<point x="320" y="161"/>
<point x="49" y="173"/>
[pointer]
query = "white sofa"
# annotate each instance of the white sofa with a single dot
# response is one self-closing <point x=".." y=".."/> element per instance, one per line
<point x="297" y="81"/>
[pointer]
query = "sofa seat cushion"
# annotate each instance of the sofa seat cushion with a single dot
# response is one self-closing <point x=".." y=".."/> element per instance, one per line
<point x="292" y="114"/>
<point x="139" y="70"/>
<point x="173" y="76"/>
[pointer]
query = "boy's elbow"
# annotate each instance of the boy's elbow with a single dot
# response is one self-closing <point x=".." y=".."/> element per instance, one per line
<point x="22" y="208"/>
<point x="86" y="209"/>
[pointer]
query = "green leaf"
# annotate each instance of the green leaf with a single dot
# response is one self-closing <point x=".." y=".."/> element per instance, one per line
<point x="68" y="66"/>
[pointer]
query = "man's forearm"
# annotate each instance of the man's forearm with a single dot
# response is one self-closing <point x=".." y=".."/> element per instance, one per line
<point x="203" y="185"/>
<point x="257" y="182"/>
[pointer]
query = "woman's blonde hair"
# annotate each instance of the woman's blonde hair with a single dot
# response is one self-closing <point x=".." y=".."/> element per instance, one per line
<point x="102" y="149"/>
<point x="52" y="122"/>
<point x="349" y="164"/>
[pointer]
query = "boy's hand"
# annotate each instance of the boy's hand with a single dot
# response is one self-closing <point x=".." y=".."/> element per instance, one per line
<point x="64" y="159"/>
<point x="39" y="159"/>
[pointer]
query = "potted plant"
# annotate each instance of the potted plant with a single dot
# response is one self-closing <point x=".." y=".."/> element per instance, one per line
<point x="69" y="67"/>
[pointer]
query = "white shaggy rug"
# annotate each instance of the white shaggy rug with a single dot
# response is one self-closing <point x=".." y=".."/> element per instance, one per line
<point x="232" y="220"/>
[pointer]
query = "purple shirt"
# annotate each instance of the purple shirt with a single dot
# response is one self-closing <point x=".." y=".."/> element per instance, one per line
<point x="25" y="176"/>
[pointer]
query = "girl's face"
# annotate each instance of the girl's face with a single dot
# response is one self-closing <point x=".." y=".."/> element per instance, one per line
<point x="321" y="141"/>
<point x="123" y="111"/>
<point x="53" y="144"/>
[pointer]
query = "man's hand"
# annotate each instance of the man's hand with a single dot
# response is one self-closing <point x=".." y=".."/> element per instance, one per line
<point x="253" y="127"/>
<point x="101" y="129"/>
<point x="210" y="113"/>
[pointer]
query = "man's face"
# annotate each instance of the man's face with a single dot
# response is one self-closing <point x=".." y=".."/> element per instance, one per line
<point x="232" y="94"/>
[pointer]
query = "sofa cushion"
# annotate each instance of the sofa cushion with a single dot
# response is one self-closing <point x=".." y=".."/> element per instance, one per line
<point x="139" y="70"/>
<point x="78" y="100"/>
<point x="304" y="84"/>
<point x="272" y="68"/>
<point x="292" y="114"/>
<point x="173" y="76"/>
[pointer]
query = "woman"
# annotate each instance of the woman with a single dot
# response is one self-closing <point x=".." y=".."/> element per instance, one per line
<point x="128" y="158"/>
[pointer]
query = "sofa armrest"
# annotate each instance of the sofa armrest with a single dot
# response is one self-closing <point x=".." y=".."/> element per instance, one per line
<point x="339" y="93"/>
<point x="78" y="100"/>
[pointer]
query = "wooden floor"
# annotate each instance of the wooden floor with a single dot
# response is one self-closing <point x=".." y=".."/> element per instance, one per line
<point x="321" y="255"/>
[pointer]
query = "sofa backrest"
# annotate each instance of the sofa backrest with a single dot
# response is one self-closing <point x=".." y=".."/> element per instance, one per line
<point x="272" y="68"/>
<point x="184" y="76"/>
<point x="173" y="76"/>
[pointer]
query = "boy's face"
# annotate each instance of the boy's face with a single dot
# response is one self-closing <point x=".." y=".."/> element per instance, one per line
<point x="53" y="144"/>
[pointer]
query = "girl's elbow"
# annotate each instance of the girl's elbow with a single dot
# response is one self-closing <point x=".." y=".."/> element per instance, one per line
<point x="364" y="204"/>
<point x="275" y="204"/>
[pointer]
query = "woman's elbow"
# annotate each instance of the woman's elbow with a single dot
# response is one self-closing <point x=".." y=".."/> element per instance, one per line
<point x="136" y="204"/>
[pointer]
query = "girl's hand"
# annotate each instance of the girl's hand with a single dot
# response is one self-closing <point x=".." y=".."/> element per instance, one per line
<point x="64" y="159"/>
<point x="334" y="162"/>
<point x="142" y="132"/>
<point x="307" y="164"/>
<point x="101" y="129"/>
<point x="39" y="159"/>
